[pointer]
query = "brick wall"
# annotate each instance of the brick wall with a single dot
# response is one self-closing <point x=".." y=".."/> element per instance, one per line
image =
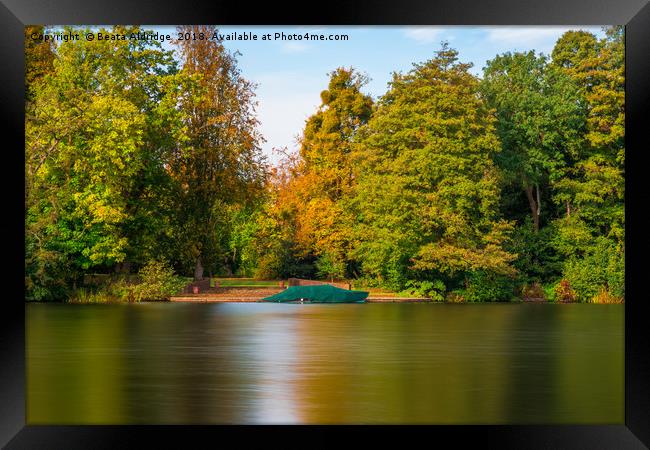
<point x="203" y="286"/>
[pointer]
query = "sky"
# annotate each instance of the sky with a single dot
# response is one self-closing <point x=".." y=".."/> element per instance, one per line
<point x="290" y="74"/>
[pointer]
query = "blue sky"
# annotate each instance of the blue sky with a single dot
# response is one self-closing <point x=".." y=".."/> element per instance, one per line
<point x="291" y="74"/>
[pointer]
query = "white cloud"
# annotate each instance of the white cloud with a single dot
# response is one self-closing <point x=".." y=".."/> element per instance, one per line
<point x="424" y="35"/>
<point x="524" y="37"/>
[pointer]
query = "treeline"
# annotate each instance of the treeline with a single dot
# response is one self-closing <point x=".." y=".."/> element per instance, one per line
<point x="449" y="185"/>
<point x="131" y="158"/>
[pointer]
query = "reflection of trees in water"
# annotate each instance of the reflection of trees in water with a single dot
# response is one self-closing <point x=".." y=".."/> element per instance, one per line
<point x="189" y="369"/>
<point x="566" y="365"/>
<point x="404" y="363"/>
<point x="330" y="356"/>
<point x="533" y="349"/>
<point x="372" y="363"/>
<point x="75" y="364"/>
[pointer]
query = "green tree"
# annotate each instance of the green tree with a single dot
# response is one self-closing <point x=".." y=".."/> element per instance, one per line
<point x="592" y="237"/>
<point x="95" y="128"/>
<point x="540" y="122"/>
<point x="574" y="52"/>
<point x="427" y="194"/>
<point x="596" y="187"/>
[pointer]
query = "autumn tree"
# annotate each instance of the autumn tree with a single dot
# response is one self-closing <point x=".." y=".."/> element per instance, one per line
<point x="39" y="57"/>
<point x="275" y="245"/>
<point x="220" y="162"/>
<point x="325" y="176"/>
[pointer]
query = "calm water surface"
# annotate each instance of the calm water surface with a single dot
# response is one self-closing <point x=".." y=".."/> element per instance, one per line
<point x="347" y="363"/>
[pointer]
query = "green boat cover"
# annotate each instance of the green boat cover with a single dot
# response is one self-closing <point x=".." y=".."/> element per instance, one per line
<point x="322" y="293"/>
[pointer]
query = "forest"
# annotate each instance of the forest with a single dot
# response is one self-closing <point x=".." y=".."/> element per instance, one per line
<point x="141" y="160"/>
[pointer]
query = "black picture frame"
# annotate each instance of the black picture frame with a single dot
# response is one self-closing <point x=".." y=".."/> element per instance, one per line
<point x="635" y="14"/>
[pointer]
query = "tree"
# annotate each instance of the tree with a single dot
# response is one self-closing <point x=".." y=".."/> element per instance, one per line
<point x="324" y="175"/>
<point x="93" y="128"/>
<point x="427" y="194"/>
<point x="596" y="186"/>
<point x="275" y="246"/>
<point x="540" y="122"/>
<point x="39" y="57"/>
<point x="220" y="161"/>
<point x="574" y="52"/>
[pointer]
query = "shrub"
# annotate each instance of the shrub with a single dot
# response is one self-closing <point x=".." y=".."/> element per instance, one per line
<point x="365" y="283"/>
<point x="158" y="282"/>
<point x="93" y="295"/>
<point x="534" y="290"/>
<point x="564" y="292"/>
<point x="81" y="295"/>
<point x="549" y="292"/>
<point x="489" y="287"/>
<point x="435" y="290"/>
<point x="603" y="267"/>
<point x="122" y="289"/>
<point x="455" y="297"/>
<point x="604" y="296"/>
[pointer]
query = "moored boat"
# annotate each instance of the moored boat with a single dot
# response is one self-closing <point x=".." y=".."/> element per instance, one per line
<point x="324" y="293"/>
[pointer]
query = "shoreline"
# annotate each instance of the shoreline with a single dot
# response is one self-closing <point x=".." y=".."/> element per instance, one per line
<point x="212" y="299"/>
<point x="256" y="294"/>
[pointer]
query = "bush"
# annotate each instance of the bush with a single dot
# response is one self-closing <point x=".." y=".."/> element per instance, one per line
<point x="489" y="287"/>
<point x="122" y="289"/>
<point x="114" y="291"/>
<point x="564" y="292"/>
<point x="455" y="297"/>
<point x="158" y="282"/>
<point x="534" y="290"/>
<point x="86" y="295"/>
<point x="604" y="296"/>
<point x="268" y="268"/>
<point x="366" y="282"/>
<point x="388" y="263"/>
<point x="549" y="292"/>
<point x="435" y="290"/>
<point x="48" y="275"/>
<point x="603" y="267"/>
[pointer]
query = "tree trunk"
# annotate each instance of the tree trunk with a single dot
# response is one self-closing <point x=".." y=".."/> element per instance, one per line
<point x="568" y="209"/>
<point x="534" y="205"/>
<point x="198" y="270"/>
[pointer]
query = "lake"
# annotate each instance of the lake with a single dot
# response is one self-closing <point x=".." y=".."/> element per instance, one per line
<point x="259" y="363"/>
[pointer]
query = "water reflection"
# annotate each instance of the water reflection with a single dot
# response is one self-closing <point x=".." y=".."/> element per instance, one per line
<point x="351" y="363"/>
